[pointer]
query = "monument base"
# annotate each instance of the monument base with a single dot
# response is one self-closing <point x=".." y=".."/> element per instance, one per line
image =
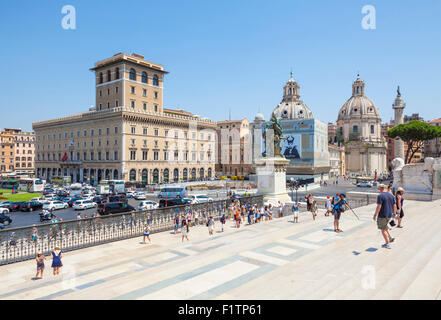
<point x="271" y="179"/>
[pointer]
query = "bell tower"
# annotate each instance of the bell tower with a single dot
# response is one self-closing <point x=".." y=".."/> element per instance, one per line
<point x="291" y="90"/>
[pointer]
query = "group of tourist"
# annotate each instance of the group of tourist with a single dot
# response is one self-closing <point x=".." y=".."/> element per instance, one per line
<point x="389" y="208"/>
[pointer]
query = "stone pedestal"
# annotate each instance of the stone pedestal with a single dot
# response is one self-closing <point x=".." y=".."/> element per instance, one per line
<point x="271" y="179"/>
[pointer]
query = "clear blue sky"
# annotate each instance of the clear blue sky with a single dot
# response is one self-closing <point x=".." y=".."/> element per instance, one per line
<point x="222" y="54"/>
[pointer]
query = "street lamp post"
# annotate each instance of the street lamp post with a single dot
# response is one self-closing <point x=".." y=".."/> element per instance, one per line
<point x="293" y="186"/>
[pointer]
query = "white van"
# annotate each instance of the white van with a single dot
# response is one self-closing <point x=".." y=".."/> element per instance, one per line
<point x="173" y="192"/>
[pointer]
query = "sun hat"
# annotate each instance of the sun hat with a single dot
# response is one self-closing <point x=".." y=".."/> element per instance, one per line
<point x="400" y="189"/>
<point x="382" y="186"/>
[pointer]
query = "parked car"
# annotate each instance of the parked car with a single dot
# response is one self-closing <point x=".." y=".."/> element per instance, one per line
<point x="72" y="200"/>
<point x="4" y="210"/>
<point x="15" y="206"/>
<point x="84" y="204"/>
<point x="37" y="199"/>
<point x="117" y="198"/>
<point x="139" y="196"/>
<point x="200" y="198"/>
<point x="163" y="203"/>
<point x="55" y="205"/>
<point x="130" y="194"/>
<point x="5" y="220"/>
<point x="31" y="206"/>
<point x="99" y="199"/>
<point x="115" y="207"/>
<point x="62" y="193"/>
<point x="364" y="184"/>
<point x="47" y="191"/>
<point x="147" y="205"/>
<point x="50" y="197"/>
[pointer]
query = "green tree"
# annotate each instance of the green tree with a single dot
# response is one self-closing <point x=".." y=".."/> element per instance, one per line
<point x="414" y="134"/>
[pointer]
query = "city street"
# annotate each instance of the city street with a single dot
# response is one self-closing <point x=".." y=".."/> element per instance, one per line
<point x="22" y="219"/>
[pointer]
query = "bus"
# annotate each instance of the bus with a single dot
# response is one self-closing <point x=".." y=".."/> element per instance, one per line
<point x="103" y="187"/>
<point x="76" y="189"/>
<point x="116" y="186"/>
<point x="31" y="185"/>
<point x="173" y="192"/>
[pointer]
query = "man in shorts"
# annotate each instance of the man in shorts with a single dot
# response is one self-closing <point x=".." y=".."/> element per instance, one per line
<point x="386" y="208"/>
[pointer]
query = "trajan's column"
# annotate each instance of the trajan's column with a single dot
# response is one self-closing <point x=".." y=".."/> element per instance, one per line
<point x="399" y="106"/>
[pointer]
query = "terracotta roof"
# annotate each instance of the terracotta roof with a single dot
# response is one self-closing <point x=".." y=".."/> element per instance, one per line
<point x="436" y="121"/>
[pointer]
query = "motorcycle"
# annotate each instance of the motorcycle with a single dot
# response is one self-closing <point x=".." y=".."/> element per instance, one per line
<point x="46" y="217"/>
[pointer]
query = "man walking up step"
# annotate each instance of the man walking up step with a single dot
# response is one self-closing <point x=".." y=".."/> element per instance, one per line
<point x="386" y="208"/>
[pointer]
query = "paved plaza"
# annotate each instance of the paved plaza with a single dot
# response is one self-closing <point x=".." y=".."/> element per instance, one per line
<point x="272" y="260"/>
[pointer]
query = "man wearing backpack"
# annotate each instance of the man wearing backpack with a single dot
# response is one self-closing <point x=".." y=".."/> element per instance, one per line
<point x="340" y="205"/>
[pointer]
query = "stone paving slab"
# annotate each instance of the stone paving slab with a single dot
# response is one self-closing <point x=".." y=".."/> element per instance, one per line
<point x="275" y="259"/>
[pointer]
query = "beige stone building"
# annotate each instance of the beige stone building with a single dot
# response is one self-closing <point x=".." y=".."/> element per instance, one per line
<point x="336" y="160"/>
<point x="7" y="151"/>
<point x="234" y="143"/>
<point x="24" y="152"/>
<point x="129" y="135"/>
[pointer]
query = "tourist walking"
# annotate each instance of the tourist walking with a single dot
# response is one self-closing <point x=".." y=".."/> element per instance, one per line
<point x="146" y="233"/>
<point x="184" y="229"/>
<point x="237" y="218"/>
<point x="400" y="201"/>
<point x="189" y="218"/>
<point x="12" y="242"/>
<point x="328" y="206"/>
<point x="176" y="227"/>
<point x="196" y="218"/>
<point x="210" y="225"/>
<point x="223" y="220"/>
<point x="280" y="209"/>
<point x="295" y="210"/>
<point x="56" y="260"/>
<point x="314" y="209"/>
<point x="34" y="235"/>
<point x="386" y="208"/>
<point x="340" y="205"/>
<point x="40" y="265"/>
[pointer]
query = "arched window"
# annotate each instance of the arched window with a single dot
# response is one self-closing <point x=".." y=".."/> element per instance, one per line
<point x="201" y="173"/>
<point x="155" y="80"/>
<point x="117" y="73"/>
<point x="115" y="174"/>
<point x="109" y="75"/>
<point x="185" y="174"/>
<point x="166" y="175"/>
<point x="193" y="174"/>
<point x="132" y="75"/>
<point x="107" y="175"/>
<point x="144" y="77"/>
<point x="101" y="77"/>
<point x="209" y="173"/>
<point x="176" y="175"/>
<point x="155" y="176"/>
<point x="144" y="176"/>
<point x="132" y="176"/>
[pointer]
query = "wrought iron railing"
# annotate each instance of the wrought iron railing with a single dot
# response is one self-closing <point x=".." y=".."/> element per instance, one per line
<point x="19" y="244"/>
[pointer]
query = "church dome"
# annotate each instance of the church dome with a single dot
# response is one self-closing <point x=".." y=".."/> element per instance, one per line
<point x="259" y="117"/>
<point x="291" y="107"/>
<point x="358" y="106"/>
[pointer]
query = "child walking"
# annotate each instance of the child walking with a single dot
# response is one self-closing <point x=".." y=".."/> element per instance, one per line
<point x="147" y="233"/>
